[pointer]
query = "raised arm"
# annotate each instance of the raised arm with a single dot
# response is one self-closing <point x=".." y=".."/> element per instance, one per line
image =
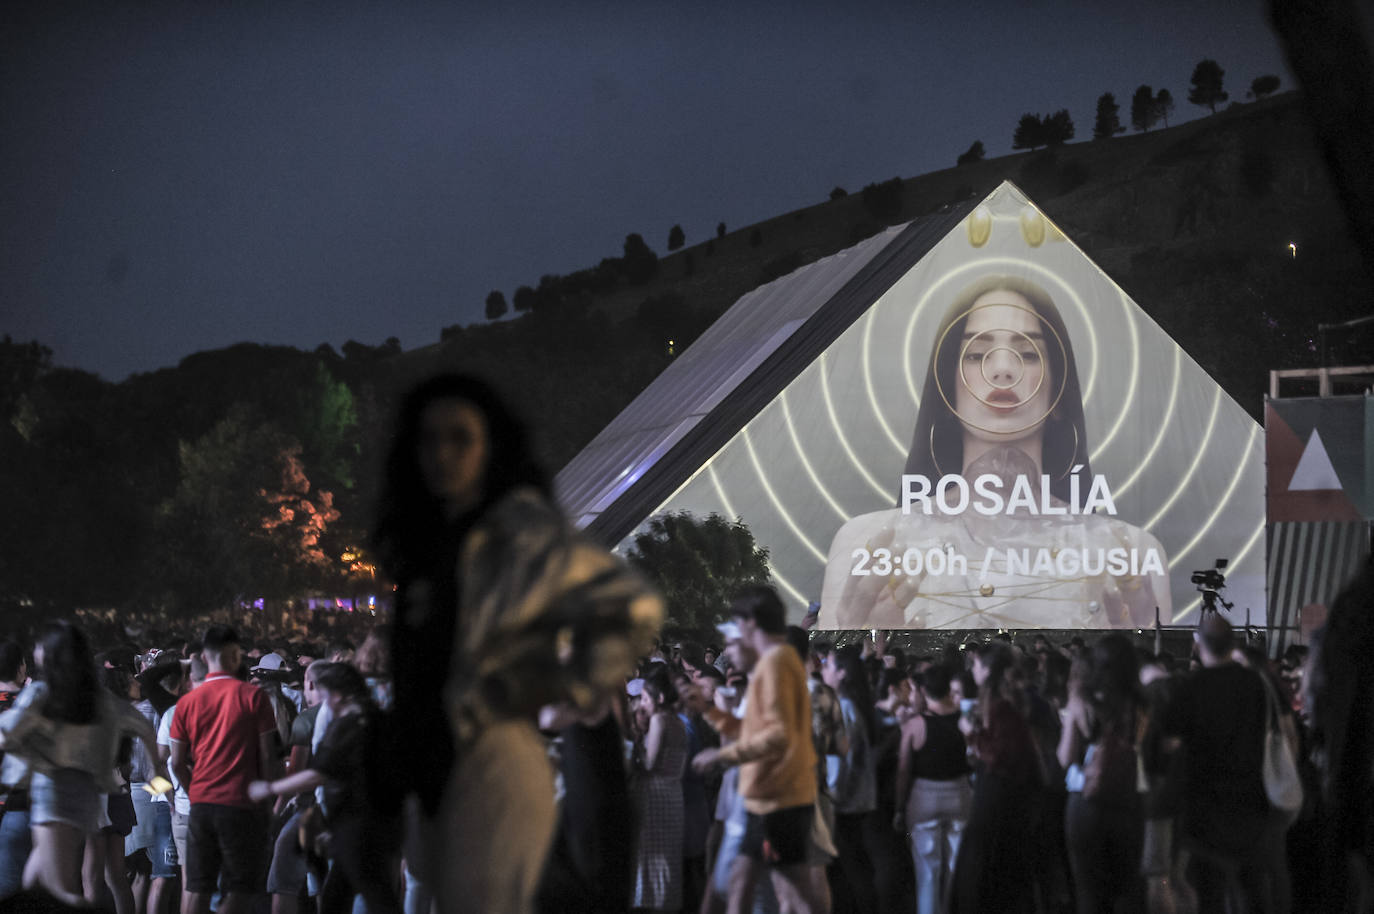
<point x="653" y="741"/>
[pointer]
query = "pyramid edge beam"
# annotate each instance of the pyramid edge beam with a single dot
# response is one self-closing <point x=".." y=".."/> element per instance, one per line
<point x="756" y="391"/>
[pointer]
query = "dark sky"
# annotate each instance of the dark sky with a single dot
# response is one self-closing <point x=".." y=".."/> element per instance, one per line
<point x="183" y="176"/>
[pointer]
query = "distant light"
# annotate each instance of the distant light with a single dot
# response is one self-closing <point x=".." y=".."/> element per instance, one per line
<point x="1293" y="249"/>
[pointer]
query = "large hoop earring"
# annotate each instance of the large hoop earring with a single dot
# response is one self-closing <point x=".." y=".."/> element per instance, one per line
<point x="935" y="460"/>
<point x="1073" y="458"/>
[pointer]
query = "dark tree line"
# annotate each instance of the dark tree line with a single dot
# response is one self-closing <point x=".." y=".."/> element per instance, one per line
<point x="1148" y="108"/>
<point x="1034" y="130"/>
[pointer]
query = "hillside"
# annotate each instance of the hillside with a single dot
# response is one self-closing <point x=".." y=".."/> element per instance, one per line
<point x="1195" y="222"/>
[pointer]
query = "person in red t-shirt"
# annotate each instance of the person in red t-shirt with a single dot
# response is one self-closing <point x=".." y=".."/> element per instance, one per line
<point x="223" y="737"/>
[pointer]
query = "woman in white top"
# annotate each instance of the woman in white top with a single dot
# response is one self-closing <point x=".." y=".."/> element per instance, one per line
<point x="66" y="728"/>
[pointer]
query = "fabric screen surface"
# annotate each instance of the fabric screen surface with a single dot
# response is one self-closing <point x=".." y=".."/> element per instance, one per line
<point x="1170" y="478"/>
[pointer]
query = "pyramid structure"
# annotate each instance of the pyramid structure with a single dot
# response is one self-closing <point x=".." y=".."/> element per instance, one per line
<point x="796" y="412"/>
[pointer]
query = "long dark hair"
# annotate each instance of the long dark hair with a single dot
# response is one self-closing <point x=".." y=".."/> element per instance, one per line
<point x="69" y="670"/>
<point x="1006" y="681"/>
<point x="659" y="684"/>
<point x="410" y="523"/>
<point x="937" y="445"/>
<point x="855" y="685"/>
<point x="1111" y="682"/>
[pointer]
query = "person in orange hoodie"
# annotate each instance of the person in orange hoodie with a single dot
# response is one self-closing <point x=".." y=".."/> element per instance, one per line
<point x="772" y="747"/>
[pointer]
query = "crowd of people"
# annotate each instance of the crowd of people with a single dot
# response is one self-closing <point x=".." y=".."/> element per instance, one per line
<point x="772" y="770"/>
<point x="517" y="740"/>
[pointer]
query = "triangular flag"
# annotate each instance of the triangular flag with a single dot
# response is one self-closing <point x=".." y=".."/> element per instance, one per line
<point x="1314" y="472"/>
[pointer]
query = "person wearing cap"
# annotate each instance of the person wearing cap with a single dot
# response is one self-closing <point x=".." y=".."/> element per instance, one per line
<point x="773" y="749"/>
<point x="268" y="673"/>
<point x="1217" y="718"/>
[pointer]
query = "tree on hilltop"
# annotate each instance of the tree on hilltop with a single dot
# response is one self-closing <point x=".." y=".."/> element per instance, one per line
<point x="1108" y="121"/>
<point x="496" y="304"/>
<point x="1164" y="106"/>
<point x="1207" y="85"/>
<point x="1263" y="86"/>
<point x="1143" y="110"/>
<point x="1058" y="128"/>
<point x="676" y="238"/>
<point x="973" y="154"/>
<point x="1030" y="132"/>
<point x="641" y="263"/>
<point x="523" y="299"/>
<point x="838" y="193"/>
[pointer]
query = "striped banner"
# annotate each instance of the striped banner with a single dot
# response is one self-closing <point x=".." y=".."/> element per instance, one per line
<point x="1309" y="563"/>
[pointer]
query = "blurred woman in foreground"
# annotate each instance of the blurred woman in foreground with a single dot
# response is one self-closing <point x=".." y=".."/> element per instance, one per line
<point x="501" y="608"/>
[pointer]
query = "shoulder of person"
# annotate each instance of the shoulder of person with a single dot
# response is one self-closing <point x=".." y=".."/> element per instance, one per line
<point x="520" y="511"/>
<point x="776" y="659"/>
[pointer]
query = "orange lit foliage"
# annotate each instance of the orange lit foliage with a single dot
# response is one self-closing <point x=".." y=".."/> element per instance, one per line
<point x="245" y="521"/>
<point x="294" y="521"/>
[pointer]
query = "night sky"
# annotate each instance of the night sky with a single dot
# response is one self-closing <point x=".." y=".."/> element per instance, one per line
<point x="183" y="176"/>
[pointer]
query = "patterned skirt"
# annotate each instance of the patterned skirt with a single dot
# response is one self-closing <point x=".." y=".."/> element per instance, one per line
<point x="658" y="846"/>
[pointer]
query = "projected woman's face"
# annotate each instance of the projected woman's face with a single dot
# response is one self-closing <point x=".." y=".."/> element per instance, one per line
<point x="1003" y="388"/>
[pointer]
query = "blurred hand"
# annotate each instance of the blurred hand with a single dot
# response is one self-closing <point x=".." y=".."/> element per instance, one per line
<point x="706" y="761"/>
<point x="260" y="791"/>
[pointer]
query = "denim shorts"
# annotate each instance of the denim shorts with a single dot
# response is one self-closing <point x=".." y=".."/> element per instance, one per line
<point x="163" y="851"/>
<point x="68" y="796"/>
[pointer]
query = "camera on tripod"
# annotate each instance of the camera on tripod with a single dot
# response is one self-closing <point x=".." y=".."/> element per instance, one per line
<point x="1210" y="582"/>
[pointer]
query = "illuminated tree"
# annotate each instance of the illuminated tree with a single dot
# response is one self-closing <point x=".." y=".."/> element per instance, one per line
<point x="698" y="564"/>
<point x="326" y="424"/>
<point x="1207" y="85"/>
<point x="245" y="520"/>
